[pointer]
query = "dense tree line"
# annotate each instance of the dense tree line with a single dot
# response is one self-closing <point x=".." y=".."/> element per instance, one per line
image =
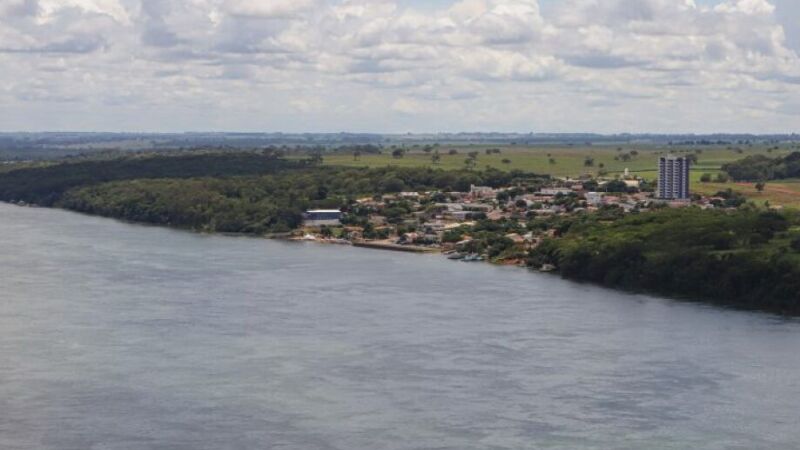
<point x="248" y="192"/>
<point x="747" y="257"/>
<point x="45" y="185"/>
<point x="762" y="168"/>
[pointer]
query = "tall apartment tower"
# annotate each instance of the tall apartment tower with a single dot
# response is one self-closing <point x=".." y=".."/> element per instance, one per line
<point x="673" y="178"/>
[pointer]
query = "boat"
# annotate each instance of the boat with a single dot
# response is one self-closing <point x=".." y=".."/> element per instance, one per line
<point x="474" y="257"/>
<point x="547" y="268"/>
<point x="456" y="256"/>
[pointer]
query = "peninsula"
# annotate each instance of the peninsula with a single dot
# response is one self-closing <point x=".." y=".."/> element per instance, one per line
<point x="607" y="229"/>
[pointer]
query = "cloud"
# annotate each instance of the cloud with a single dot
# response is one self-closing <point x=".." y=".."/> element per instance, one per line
<point x="20" y="8"/>
<point x="272" y="9"/>
<point x="498" y="63"/>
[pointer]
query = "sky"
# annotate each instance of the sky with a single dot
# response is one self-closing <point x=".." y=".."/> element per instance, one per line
<point x="396" y="66"/>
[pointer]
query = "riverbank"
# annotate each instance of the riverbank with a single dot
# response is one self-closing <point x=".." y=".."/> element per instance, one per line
<point x="206" y="342"/>
<point x="738" y="280"/>
<point x="727" y="252"/>
<point x="389" y="245"/>
<point x="746" y="258"/>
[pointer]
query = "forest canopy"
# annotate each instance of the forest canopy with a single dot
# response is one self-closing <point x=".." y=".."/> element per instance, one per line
<point x="763" y="168"/>
<point x="244" y="192"/>
<point x="745" y="257"/>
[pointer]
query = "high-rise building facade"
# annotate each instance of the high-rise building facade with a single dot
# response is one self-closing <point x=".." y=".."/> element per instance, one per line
<point x="673" y="178"/>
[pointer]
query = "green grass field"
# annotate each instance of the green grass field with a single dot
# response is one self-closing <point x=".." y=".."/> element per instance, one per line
<point x="568" y="161"/>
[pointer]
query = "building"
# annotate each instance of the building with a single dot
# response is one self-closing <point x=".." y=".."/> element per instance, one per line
<point x="481" y="191"/>
<point x="673" y="178"/>
<point x="320" y="217"/>
<point x="636" y="184"/>
<point x="594" y="198"/>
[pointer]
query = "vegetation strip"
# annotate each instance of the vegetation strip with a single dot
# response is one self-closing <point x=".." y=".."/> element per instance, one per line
<point x="609" y="232"/>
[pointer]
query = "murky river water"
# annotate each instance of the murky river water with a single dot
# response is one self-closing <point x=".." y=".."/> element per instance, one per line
<point x="117" y="336"/>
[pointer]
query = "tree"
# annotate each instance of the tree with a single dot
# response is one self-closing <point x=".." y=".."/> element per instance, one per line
<point x="588" y="162"/>
<point x="722" y="178"/>
<point x="392" y="184"/>
<point x="506" y="161"/>
<point x="616" y="186"/>
<point x="470" y="163"/>
<point x="552" y="161"/>
<point x="760" y="186"/>
<point x="796" y="244"/>
<point x="436" y="157"/>
<point x="705" y="178"/>
<point x="452" y="152"/>
<point x="356" y="155"/>
<point x="398" y="153"/>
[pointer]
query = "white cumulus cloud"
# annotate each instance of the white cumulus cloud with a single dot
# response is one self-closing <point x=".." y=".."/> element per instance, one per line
<point x="383" y="65"/>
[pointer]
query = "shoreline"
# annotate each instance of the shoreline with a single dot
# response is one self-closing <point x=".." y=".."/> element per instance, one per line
<point x="381" y="245"/>
<point x="287" y="236"/>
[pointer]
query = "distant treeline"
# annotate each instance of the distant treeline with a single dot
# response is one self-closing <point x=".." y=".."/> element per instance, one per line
<point x="46" y="185"/>
<point x="244" y="193"/>
<point x="763" y="168"/>
<point x="747" y="257"/>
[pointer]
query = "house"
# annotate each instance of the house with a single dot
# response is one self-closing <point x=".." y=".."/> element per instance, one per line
<point x="632" y="183"/>
<point x="410" y="195"/>
<point x="461" y="215"/>
<point x="407" y="238"/>
<point x="322" y="217"/>
<point x="481" y="191"/>
<point x="516" y="238"/>
<point x="594" y="198"/>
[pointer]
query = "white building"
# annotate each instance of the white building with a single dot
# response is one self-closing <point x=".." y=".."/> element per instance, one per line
<point x="673" y="178"/>
<point x="481" y="191"/>
<point x="594" y="198"/>
<point x="320" y="217"/>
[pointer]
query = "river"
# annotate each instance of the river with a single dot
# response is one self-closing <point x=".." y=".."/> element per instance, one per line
<point x="116" y="336"/>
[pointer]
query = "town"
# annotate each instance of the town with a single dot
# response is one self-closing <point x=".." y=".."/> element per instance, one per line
<point x="501" y="224"/>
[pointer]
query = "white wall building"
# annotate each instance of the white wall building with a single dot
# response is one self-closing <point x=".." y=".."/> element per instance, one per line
<point x="673" y="178"/>
<point x="320" y="217"/>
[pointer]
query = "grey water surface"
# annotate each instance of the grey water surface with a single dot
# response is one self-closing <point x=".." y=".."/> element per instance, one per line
<point x="116" y="336"/>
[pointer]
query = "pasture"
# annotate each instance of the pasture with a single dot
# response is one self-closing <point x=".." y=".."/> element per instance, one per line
<point x="557" y="161"/>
